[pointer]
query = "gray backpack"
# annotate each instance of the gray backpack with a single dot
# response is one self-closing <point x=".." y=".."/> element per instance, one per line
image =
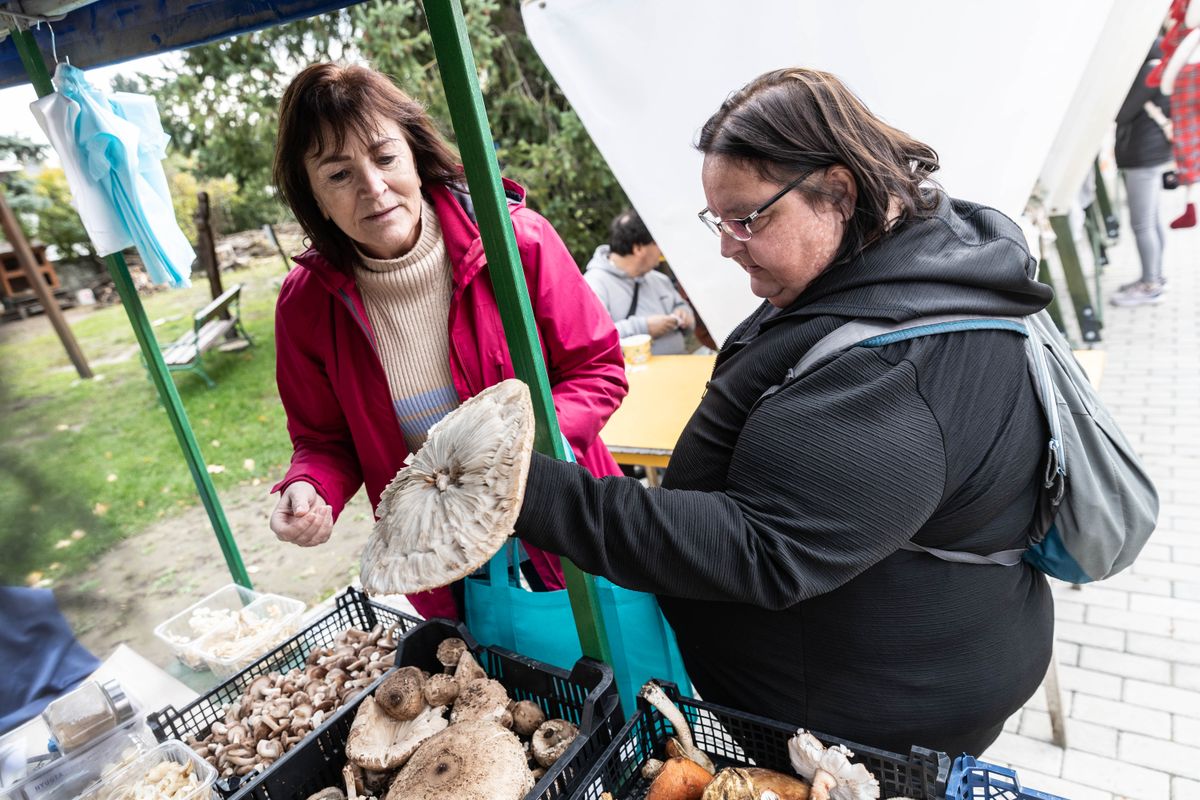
<point x="1098" y="506"/>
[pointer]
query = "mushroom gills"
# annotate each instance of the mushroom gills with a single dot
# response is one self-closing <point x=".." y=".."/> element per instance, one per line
<point x="455" y="502"/>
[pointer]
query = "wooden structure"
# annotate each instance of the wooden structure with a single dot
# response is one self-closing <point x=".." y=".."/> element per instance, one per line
<point x="13" y="281"/>
<point x="17" y="295"/>
<point x="216" y="322"/>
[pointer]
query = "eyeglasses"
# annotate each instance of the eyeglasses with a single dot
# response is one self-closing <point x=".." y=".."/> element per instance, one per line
<point x="740" y="228"/>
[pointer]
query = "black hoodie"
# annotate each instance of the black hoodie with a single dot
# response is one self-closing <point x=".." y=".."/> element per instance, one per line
<point x="774" y="544"/>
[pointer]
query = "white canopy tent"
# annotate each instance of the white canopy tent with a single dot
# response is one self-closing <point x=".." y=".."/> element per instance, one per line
<point x="989" y="86"/>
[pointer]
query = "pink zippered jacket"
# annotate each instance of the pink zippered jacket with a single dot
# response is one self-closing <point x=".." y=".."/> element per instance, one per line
<point x="344" y="430"/>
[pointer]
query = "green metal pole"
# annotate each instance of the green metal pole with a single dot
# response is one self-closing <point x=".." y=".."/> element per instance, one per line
<point x="31" y="56"/>
<point x="457" y="65"/>
<point x="1085" y="311"/>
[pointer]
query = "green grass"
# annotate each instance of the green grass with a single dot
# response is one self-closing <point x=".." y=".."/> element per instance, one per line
<point x="99" y="456"/>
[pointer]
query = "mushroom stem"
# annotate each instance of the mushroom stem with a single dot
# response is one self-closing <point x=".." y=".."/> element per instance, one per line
<point x="656" y="697"/>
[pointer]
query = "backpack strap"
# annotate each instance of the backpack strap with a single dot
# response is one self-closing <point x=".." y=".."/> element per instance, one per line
<point x="1002" y="558"/>
<point x="863" y="333"/>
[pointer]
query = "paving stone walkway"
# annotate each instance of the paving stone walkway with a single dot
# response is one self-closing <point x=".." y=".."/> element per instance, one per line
<point x="1129" y="648"/>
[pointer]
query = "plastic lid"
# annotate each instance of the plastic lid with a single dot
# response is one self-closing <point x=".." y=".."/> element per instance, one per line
<point x="122" y="706"/>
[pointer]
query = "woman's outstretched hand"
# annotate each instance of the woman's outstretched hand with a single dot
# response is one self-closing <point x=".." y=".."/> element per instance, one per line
<point x="302" y="516"/>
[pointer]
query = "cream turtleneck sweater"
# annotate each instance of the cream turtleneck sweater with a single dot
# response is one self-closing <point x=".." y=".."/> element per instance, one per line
<point x="408" y="304"/>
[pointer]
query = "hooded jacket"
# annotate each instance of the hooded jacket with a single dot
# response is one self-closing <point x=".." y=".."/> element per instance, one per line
<point x="1140" y="142"/>
<point x="656" y="295"/>
<point x="774" y="545"/>
<point x="344" y="430"/>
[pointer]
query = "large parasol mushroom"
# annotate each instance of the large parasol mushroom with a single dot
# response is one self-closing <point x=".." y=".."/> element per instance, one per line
<point x="455" y="502"/>
<point x="477" y="760"/>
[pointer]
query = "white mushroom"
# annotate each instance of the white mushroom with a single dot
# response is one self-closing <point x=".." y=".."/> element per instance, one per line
<point x="378" y="742"/>
<point x="455" y="502"/>
<point x="485" y="699"/>
<point x="832" y="774"/>
<point x="476" y="760"/>
<point x="551" y="740"/>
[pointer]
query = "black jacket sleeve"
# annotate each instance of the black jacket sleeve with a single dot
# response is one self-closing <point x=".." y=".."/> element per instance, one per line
<point x="1139" y="93"/>
<point x="829" y="476"/>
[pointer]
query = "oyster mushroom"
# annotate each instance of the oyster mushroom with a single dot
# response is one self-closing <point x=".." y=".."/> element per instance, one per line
<point x="551" y="740"/>
<point x="527" y="717"/>
<point x="832" y="774"/>
<point x="401" y="694"/>
<point x="455" y="502"/>
<point x="378" y="742"/>
<point x="476" y="760"/>
<point x="485" y="699"/>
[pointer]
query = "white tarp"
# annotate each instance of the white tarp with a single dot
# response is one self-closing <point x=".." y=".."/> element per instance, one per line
<point x="1111" y="68"/>
<point x="986" y="84"/>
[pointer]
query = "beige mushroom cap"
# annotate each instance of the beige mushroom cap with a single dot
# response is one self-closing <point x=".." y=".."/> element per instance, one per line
<point x="475" y="760"/>
<point x="455" y="503"/>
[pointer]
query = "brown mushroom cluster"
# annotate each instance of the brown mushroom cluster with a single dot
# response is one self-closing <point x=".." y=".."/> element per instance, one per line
<point x="276" y="711"/>
<point x="453" y="734"/>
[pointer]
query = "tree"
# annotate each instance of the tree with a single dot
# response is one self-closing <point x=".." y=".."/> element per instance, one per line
<point x="219" y="107"/>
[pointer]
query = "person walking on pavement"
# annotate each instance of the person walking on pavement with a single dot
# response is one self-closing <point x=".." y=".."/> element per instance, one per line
<point x="1143" y="151"/>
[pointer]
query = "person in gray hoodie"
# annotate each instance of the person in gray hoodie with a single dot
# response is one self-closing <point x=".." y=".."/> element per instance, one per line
<point x="639" y="299"/>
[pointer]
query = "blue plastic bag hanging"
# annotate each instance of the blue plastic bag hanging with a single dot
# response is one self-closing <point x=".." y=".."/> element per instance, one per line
<point x="111" y="148"/>
<point x="541" y="625"/>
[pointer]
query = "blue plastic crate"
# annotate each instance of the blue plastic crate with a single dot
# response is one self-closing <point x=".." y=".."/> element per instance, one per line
<point x="977" y="780"/>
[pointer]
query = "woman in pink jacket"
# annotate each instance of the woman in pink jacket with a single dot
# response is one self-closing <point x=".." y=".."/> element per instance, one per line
<point x="391" y="321"/>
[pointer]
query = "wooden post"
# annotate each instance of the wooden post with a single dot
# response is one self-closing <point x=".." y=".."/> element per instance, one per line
<point x="205" y="248"/>
<point x="16" y="237"/>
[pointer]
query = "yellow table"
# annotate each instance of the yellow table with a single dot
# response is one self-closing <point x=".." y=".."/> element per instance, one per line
<point x="663" y="393"/>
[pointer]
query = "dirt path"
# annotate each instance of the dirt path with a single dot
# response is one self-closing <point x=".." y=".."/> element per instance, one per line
<point x="149" y="577"/>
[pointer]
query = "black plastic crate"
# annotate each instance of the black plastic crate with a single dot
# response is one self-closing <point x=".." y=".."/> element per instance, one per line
<point x="727" y="736"/>
<point x="352" y="609"/>
<point x="587" y="696"/>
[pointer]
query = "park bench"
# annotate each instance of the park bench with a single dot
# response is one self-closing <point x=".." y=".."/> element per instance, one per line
<point x="211" y="326"/>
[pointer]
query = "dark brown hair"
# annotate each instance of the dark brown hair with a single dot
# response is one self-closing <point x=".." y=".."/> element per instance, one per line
<point x="790" y="121"/>
<point x="323" y="105"/>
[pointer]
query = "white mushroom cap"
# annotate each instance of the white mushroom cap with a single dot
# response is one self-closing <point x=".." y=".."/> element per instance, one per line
<point x="455" y="503"/>
<point x="476" y="760"/>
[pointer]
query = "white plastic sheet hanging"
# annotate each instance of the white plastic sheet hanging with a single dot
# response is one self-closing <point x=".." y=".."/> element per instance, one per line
<point x="111" y="148"/>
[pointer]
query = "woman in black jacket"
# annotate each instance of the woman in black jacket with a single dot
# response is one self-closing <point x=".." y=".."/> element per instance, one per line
<point x="777" y="543"/>
<point x="1143" y="150"/>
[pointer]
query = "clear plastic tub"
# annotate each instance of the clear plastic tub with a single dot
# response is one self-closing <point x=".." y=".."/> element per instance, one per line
<point x="65" y="778"/>
<point x="230" y="628"/>
<point x="171" y="771"/>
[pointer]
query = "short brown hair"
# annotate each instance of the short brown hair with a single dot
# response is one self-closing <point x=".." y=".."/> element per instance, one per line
<point x="327" y="99"/>
<point x="790" y="121"/>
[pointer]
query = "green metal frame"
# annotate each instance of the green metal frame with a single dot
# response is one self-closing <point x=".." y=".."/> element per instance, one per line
<point x="1086" y="314"/>
<point x="459" y="77"/>
<point x="35" y="65"/>
<point x="1108" y="217"/>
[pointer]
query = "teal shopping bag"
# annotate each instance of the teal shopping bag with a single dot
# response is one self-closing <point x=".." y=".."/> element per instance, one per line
<point x="540" y="625"/>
